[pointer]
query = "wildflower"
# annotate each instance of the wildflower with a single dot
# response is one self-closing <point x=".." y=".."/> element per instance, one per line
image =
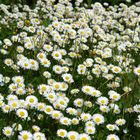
<point x="85" y="116"/>
<point x="137" y="70"/>
<point x="116" y="69"/>
<point x="36" y="128"/>
<point x="62" y="133"/>
<point x="102" y="100"/>
<point x="120" y="122"/>
<point x="47" y="47"/>
<point x="72" y="135"/>
<point x="114" y="95"/>
<point x="39" y="135"/>
<point x="56" y="55"/>
<point x="14" y="104"/>
<point x="98" y="119"/>
<point x="22" y="113"/>
<point x="67" y="78"/>
<point x="75" y="121"/>
<point x="7" y="131"/>
<point x="84" y="136"/>
<point x="25" y="135"/>
<point x="137" y="108"/>
<point x="78" y="102"/>
<point x="31" y="100"/>
<point x="111" y="127"/>
<point x="65" y="121"/>
<point x="90" y="130"/>
<point x="112" y="136"/>
<point x="56" y="114"/>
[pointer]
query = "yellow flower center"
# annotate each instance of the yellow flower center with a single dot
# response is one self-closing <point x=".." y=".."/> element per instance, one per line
<point x="14" y="104"/>
<point x="138" y="71"/>
<point x="31" y="100"/>
<point x="57" y="86"/>
<point x="87" y="90"/>
<point x="43" y="88"/>
<point x="72" y="137"/>
<point x="61" y="102"/>
<point x="102" y="101"/>
<point x="56" y="115"/>
<point x="48" y="110"/>
<point x="8" y="131"/>
<point x="18" y="80"/>
<point x="114" y="96"/>
<point x="51" y="96"/>
<point x="67" y="78"/>
<point x="97" y="120"/>
<point x="56" y="55"/>
<point x="84" y="138"/>
<point x="62" y="133"/>
<point x="22" y="113"/>
<point x="7" y="108"/>
<point x="25" y="137"/>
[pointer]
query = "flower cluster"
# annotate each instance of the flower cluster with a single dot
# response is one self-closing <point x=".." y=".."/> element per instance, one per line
<point x="69" y="72"/>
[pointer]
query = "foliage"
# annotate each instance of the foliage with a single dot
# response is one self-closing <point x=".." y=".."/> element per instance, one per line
<point x="69" y="70"/>
<point x="89" y="2"/>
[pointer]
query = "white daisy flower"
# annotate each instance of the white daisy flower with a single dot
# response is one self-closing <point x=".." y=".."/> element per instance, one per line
<point x="8" y="131"/>
<point x="62" y="133"/>
<point x="25" y="135"/>
<point x="112" y="137"/>
<point x="22" y="113"/>
<point x="98" y="119"/>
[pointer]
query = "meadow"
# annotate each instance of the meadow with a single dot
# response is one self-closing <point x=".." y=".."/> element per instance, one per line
<point x="69" y="70"/>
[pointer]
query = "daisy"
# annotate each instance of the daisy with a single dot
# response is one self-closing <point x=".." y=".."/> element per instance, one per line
<point x="67" y="78"/>
<point x="31" y="100"/>
<point x="14" y="104"/>
<point x="48" y="109"/>
<point x="8" y="131"/>
<point x="120" y="122"/>
<point x="47" y="47"/>
<point x="104" y="108"/>
<point x="137" y="70"/>
<point x="85" y="117"/>
<point x="6" y="108"/>
<point x="65" y="121"/>
<point x="57" y="69"/>
<point x="36" y="128"/>
<point x="47" y="74"/>
<point x="102" y="100"/>
<point x="39" y="136"/>
<point x="78" y="102"/>
<point x="114" y="95"/>
<point x="72" y="135"/>
<point x="75" y="121"/>
<point x="71" y="111"/>
<point x="111" y="127"/>
<point x="62" y="133"/>
<point x="98" y="119"/>
<point x="29" y="46"/>
<point x="56" y="114"/>
<point x="116" y="69"/>
<point x="84" y="137"/>
<point x="112" y="137"/>
<point x="45" y="62"/>
<point x="137" y="108"/>
<point x="22" y="113"/>
<point x="25" y="135"/>
<point x="90" y="130"/>
<point x="56" y="55"/>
